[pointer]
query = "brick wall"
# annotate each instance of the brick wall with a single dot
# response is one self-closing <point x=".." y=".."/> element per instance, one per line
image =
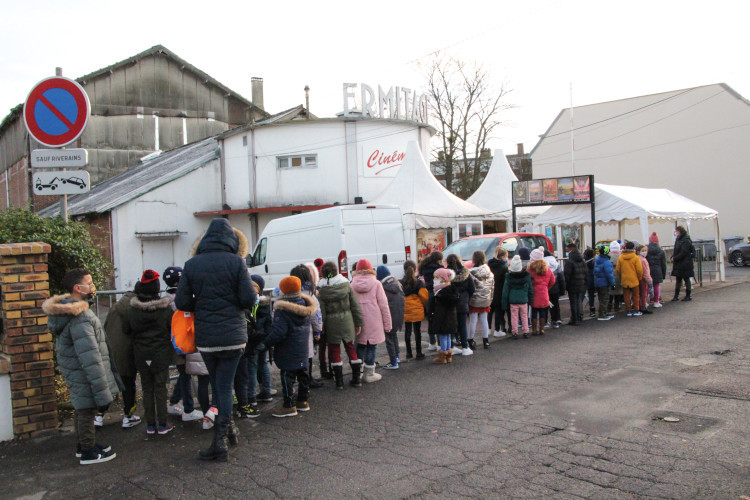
<point x="26" y="341"/>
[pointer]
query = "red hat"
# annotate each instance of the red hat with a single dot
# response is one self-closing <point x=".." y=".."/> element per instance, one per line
<point x="290" y="284"/>
<point x="364" y="265"/>
<point x="653" y="238"/>
<point x="149" y="275"/>
<point x="319" y="263"/>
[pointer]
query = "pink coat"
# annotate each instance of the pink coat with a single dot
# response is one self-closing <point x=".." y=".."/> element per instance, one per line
<point x="646" y="269"/>
<point x="542" y="284"/>
<point x="374" y="304"/>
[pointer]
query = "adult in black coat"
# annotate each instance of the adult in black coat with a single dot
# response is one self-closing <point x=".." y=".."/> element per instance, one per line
<point x="682" y="262"/>
<point x="465" y="287"/>
<point x="657" y="263"/>
<point x="575" y="281"/>
<point x="216" y="287"/>
<point x="499" y="267"/>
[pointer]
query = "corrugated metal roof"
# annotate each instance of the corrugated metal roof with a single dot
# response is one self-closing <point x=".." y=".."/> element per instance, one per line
<point x="140" y="179"/>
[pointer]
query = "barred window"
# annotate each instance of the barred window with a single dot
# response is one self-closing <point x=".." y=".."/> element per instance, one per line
<point x="301" y="161"/>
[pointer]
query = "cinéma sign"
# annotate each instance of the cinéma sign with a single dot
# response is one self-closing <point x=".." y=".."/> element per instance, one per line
<point x="397" y="103"/>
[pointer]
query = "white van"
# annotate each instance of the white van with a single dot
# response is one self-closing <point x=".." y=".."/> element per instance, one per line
<point x="342" y="234"/>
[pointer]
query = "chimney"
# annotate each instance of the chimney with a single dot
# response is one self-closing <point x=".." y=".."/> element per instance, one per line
<point x="307" y="101"/>
<point x="520" y="149"/>
<point x="257" y="97"/>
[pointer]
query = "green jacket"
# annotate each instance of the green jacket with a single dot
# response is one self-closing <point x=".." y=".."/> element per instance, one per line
<point x="340" y="309"/>
<point x="517" y="289"/>
<point x="120" y="343"/>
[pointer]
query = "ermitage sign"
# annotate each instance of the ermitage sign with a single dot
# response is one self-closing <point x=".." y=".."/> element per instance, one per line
<point x="397" y="103"/>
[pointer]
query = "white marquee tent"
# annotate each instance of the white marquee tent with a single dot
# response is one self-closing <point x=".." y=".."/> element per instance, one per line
<point x="631" y="205"/>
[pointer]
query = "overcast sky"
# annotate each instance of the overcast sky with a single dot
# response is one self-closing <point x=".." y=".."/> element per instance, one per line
<point x="607" y="50"/>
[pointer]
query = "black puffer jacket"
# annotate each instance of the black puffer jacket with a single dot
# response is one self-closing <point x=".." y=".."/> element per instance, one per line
<point x="443" y="320"/>
<point x="291" y="331"/>
<point x="499" y="269"/>
<point x="657" y="262"/>
<point x="575" y="272"/>
<point x="683" y="257"/>
<point x="465" y="288"/>
<point x="216" y="286"/>
<point x="396" y="302"/>
<point x="149" y="323"/>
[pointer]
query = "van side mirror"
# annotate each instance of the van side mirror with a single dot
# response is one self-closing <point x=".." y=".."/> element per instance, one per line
<point x="385" y="258"/>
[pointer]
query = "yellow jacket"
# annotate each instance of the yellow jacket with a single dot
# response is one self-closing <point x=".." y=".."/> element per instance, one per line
<point x="629" y="268"/>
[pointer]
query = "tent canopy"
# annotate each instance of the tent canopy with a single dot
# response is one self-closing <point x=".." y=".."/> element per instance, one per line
<point x="424" y="202"/>
<point x="622" y="203"/>
<point x="496" y="190"/>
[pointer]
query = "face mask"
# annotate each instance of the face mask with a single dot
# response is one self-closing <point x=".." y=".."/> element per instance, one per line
<point x="643" y="254"/>
<point x="676" y="234"/>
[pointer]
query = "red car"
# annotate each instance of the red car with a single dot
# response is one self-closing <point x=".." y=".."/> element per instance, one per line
<point x="487" y="243"/>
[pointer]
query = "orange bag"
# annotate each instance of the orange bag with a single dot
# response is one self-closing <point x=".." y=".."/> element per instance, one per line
<point x="183" y="332"/>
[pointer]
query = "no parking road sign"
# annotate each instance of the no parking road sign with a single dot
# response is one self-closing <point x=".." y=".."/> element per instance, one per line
<point x="56" y="111"/>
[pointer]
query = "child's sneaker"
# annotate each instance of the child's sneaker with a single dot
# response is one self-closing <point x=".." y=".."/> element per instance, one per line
<point x="211" y="413"/>
<point x="389" y="366"/>
<point x="657" y="305"/>
<point x="151" y="429"/>
<point x="165" y="429"/>
<point x="101" y="447"/>
<point x="174" y="409"/>
<point x="637" y="313"/>
<point x="432" y="347"/>
<point x="303" y="406"/>
<point x="96" y="456"/>
<point x="629" y="313"/>
<point x="193" y="415"/>
<point x="264" y="397"/>
<point x="285" y="412"/>
<point x="247" y="411"/>
<point x="207" y="423"/>
<point x="131" y="421"/>
<point x="98" y="420"/>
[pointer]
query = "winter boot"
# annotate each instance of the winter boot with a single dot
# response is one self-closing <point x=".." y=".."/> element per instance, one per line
<point x="338" y="374"/>
<point x="440" y="358"/>
<point x="687" y="296"/>
<point x="472" y="345"/>
<point x="486" y="343"/>
<point x="233" y="433"/>
<point x="356" y="374"/>
<point x="449" y="356"/>
<point x="325" y="371"/>
<point x="540" y="326"/>
<point x="370" y="375"/>
<point x="218" y="449"/>
<point x="534" y="323"/>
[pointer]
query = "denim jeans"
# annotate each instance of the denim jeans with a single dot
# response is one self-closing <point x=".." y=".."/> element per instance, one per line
<point x="183" y="390"/>
<point x="367" y="353"/>
<point x="462" y="332"/>
<point x="222" y="366"/>
<point x="391" y="344"/>
<point x="241" y="382"/>
<point x="258" y="370"/>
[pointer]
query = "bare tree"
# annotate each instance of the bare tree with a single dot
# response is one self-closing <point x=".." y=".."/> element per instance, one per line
<point x="467" y="106"/>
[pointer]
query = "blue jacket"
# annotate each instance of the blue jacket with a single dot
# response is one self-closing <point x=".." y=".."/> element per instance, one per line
<point x="291" y="331"/>
<point x="216" y="286"/>
<point x="604" y="274"/>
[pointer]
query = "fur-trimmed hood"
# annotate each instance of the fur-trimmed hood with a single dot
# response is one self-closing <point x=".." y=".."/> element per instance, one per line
<point x="221" y="236"/>
<point x="336" y="280"/>
<point x="284" y="303"/>
<point x="63" y="305"/>
<point x="150" y="305"/>
<point x="461" y="275"/>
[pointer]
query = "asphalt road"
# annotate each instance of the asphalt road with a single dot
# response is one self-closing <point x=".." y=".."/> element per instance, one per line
<point x="577" y="413"/>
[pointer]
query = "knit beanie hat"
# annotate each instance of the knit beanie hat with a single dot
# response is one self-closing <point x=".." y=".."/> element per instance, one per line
<point x="171" y="276"/>
<point x="653" y="238"/>
<point x="445" y="276"/>
<point x="290" y="284"/>
<point x="382" y="272"/>
<point x="524" y="253"/>
<point x="148" y="284"/>
<point x="364" y="265"/>
<point x="537" y="254"/>
<point x="319" y="263"/>
<point x="614" y="247"/>
<point x="515" y="264"/>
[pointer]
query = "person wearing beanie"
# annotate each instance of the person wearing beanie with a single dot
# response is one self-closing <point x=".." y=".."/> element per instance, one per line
<point x="396" y="304"/>
<point x="575" y="280"/>
<point x="518" y="293"/>
<point x="641" y="251"/>
<point x="318" y="263"/>
<point x="557" y="289"/>
<point x="150" y="325"/>
<point x="542" y="281"/>
<point x="481" y="301"/>
<point x="536" y="254"/>
<point x="302" y="272"/>
<point x="258" y="371"/>
<point x="290" y="335"/>
<point x="342" y="321"/>
<point x="426" y="269"/>
<point x="682" y="263"/>
<point x="604" y="280"/>
<point x="376" y="316"/>
<point x="525" y="254"/>
<point x="615" y="295"/>
<point x="631" y="272"/>
<point x="216" y="287"/>
<point x="443" y="316"/>
<point x="657" y="263"/>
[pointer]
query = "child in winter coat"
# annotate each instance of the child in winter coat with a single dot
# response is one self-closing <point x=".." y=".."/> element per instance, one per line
<point x="427" y="268"/>
<point x="465" y="286"/>
<point x="588" y="258"/>
<point x="443" y="320"/>
<point x="481" y="301"/>
<point x="557" y="289"/>
<point x="499" y="267"/>
<point x="615" y="295"/>
<point x="657" y="263"/>
<point x="290" y="336"/>
<point x="302" y="272"/>
<point x="375" y="315"/>
<point x="342" y="320"/>
<point x="646" y="280"/>
<point x="518" y="293"/>
<point x="631" y="272"/>
<point x="542" y="281"/>
<point x="604" y="280"/>
<point x="395" y="295"/>
<point x="415" y="298"/>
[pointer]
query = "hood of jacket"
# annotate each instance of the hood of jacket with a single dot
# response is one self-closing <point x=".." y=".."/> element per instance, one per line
<point x="299" y="306"/>
<point x="482" y="273"/>
<point x="61" y="309"/>
<point x="628" y="255"/>
<point x="149" y="305"/>
<point x="336" y="280"/>
<point x="363" y="283"/>
<point x="575" y="256"/>
<point x="518" y="278"/>
<point x="221" y="237"/>
<point x="461" y="275"/>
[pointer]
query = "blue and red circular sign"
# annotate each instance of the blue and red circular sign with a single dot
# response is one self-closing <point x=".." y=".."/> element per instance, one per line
<point x="56" y="111"/>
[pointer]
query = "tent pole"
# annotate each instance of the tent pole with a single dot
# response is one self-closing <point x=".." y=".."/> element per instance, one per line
<point x="719" y="249"/>
<point x="514" y="218"/>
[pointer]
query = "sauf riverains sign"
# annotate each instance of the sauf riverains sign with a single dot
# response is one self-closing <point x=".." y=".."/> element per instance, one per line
<point x="397" y="103"/>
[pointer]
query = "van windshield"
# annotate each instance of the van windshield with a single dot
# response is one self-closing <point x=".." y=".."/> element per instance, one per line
<point x="466" y="248"/>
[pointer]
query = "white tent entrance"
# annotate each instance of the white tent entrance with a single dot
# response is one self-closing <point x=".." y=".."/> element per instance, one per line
<point x="632" y="205"/>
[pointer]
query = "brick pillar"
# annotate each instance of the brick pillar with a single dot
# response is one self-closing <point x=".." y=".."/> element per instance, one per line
<point x="26" y="341"/>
